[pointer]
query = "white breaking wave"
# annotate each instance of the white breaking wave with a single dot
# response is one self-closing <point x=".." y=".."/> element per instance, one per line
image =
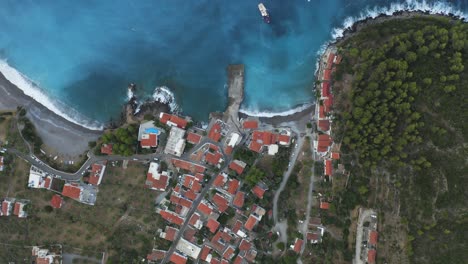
<point x="439" y="7"/>
<point x="164" y="95"/>
<point x="130" y="94"/>
<point x="35" y="92"/>
<point x="273" y="114"/>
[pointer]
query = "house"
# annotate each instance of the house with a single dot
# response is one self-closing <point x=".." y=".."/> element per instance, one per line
<point x="176" y="143"/>
<point x="220" y="180"/>
<point x="238" y="260"/>
<point x="205" y="209"/>
<point x="212" y="225"/>
<point x="335" y="155"/>
<point x="245" y="245"/>
<point x="7" y="206"/>
<point x="188" y="249"/>
<point x="330" y="60"/>
<point x="323" y="125"/>
<point x="250" y="124"/>
<point x="259" y="190"/>
<point x="321" y="112"/>
<point x="45" y="256"/>
<point x="19" y="208"/>
<point x="156" y="255"/>
<point x="192" y="183"/>
<point x="177" y="258"/>
<point x="173" y="120"/>
<point x="297" y="246"/>
<point x="284" y="140"/>
<point x="56" y="201"/>
<point x="229" y="252"/>
<point x="252" y="222"/>
<point x="72" y="190"/>
<point x="322" y="143"/>
<point x="193" y="138"/>
<point x="238" y="166"/>
<point x="371" y="256"/>
<point x="188" y="166"/>
<point x="2" y="167"/>
<point x="328" y="167"/>
<point x="328" y="103"/>
<point x="205" y="253"/>
<point x="169" y="234"/>
<point x="373" y="237"/>
<point x="213" y="158"/>
<point x="233" y="185"/>
<point x="215" y="132"/>
<point x="239" y="200"/>
<point x="171" y="217"/>
<point x="324" y="205"/>
<point x="255" y="146"/>
<point x="106" y="149"/>
<point x="148" y="135"/>
<point x="313" y="237"/>
<point x="156" y="180"/>
<point x="325" y="89"/>
<point x="97" y="171"/>
<point x="221" y="202"/>
<point x="195" y="221"/>
<point x="327" y="75"/>
<point x="39" y="179"/>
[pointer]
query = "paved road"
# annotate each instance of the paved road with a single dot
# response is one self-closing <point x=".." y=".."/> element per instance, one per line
<point x="187" y="217"/>
<point x="363" y="215"/>
<point x="292" y="162"/>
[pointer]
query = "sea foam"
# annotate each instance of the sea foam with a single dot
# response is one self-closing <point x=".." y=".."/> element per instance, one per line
<point x="439" y="7"/>
<point x="273" y="114"/>
<point x="164" y="95"/>
<point x="35" y="92"/>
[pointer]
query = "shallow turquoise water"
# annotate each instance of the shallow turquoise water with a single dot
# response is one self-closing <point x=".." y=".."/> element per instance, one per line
<point x="84" y="53"/>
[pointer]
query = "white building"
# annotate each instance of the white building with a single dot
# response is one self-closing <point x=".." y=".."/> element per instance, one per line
<point x="38" y="178"/>
<point x="176" y="143"/>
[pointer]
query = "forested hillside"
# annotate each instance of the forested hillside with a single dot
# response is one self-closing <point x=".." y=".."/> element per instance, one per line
<point x="402" y="99"/>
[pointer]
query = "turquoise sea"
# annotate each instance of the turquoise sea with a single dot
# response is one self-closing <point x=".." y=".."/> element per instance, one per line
<point x="77" y="57"/>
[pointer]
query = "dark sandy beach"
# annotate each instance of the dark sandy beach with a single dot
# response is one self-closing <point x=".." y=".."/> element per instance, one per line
<point x="59" y="135"/>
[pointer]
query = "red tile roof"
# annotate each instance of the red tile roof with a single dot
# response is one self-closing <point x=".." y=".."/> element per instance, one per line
<point x="324" y="205"/>
<point x="192" y="183"/>
<point x="215" y="132"/>
<point x="5" y="205"/>
<point x="321" y="111"/>
<point x="190" y="194"/>
<point x="149" y="140"/>
<point x="233" y="185"/>
<point x="245" y="245"/>
<point x="331" y="58"/>
<point x="228" y="253"/>
<point x="328" y="102"/>
<point x="237" y="166"/>
<point x="171" y="233"/>
<point x="327" y="75"/>
<point x="283" y="139"/>
<point x="264" y="137"/>
<point x="371" y="256"/>
<point x="250" y="124"/>
<point x="251" y="222"/>
<point x="323" y="125"/>
<point x="56" y="201"/>
<point x="213" y="158"/>
<point x="172" y="217"/>
<point x="44" y="260"/>
<point x="258" y="191"/>
<point x="212" y="225"/>
<point x="156" y="255"/>
<point x="189" y="166"/>
<point x="189" y="234"/>
<point x="71" y="190"/>
<point x="215" y="261"/>
<point x="204" y="208"/>
<point x="255" y="146"/>
<point x="178" y="121"/>
<point x="238" y="260"/>
<point x="228" y="150"/>
<point x="48" y="181"/>
<point x="325" y="89"/>
<point x="312" y="236"/>
<point x="335" y="155"/>
<point x="95" y="175"/>
<point x="181" y="201"/>
<point x="298" y="245"/>
<point x="17" y="208"/>
<point x="106" y="149"/>
<point x="193" y="220"/>
<point x="324" y="141"/>
<point x="328" y="167"/>
<point x="221" y="202"/>
<point x="205" y="252"/>
<point x="199" y="176"/>
<point x="373" y="237"/>
<point x="193" y="138"/>
<point x="220" y="180"/>
<point x="237" y="226"/>
<point x="239" y="199"/>
<point x="176" y="258"/>
<point x="159" y="184"/>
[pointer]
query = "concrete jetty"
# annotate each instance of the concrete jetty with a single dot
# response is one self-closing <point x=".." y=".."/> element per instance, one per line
<point x="235" y="93"/>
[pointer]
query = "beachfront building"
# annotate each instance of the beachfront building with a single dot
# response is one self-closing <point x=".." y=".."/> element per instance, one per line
<point x="156" y="179"/>
<point x="148" y="135"/>
<point x="176" y="143"/>
<point x="39" y="179"/>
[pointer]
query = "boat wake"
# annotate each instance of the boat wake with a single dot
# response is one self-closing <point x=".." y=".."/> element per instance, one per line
<point x="164" y="95"/>
<point x="439" y="7"/>
<point x="36" y="93"/>
<point x="274" y="114"/>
